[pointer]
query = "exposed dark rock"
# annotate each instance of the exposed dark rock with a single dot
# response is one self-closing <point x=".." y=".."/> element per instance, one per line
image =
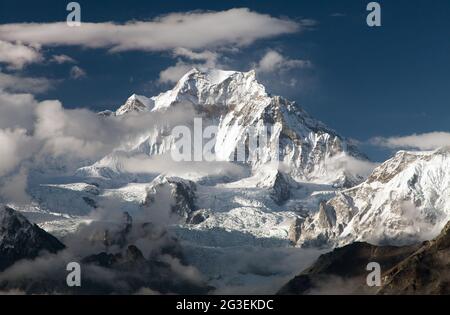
<point x="280" y="191"/>
<point x="121" y="232"/>
<point x="91" y="202"/>
<point x="416" y="269"/>
<point x="132" y="268"/>
<point x="181" y="191"/>
<point x="20" y="239"/>
<point x="327" y="216"/>
<point x="295" y="231"/>
<point x="346" y="265"/>
<point x="427" y="271"/>
<point x="198" y="217"/>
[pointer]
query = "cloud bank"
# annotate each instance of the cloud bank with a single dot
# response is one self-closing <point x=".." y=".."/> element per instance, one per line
<point x="37" y="135"/>
<point x="424" y="141"/>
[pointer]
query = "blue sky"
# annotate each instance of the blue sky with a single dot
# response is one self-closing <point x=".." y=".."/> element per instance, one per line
<point x="364" y="82"/>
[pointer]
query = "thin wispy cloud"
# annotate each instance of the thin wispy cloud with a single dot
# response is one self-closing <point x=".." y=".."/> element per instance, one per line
<point x="338" y="14"/>
<point x="188" y="59"/>
<point x="424" y="141"/>
<point x="60" y="59"/>
<point x="191" y="30"/>
<point x="77" y="73"/>
<point x="275" y="61"/>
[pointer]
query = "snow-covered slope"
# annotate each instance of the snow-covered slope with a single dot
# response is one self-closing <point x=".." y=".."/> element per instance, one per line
<point x="406" y="199"/>
<point x="136" y="103"/>
<point x="239" y="106"/>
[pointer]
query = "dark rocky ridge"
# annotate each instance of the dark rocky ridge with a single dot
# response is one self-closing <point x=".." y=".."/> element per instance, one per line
<point x="20" y="239"/>
<point x="427" y="271"/>
<point x="417" y="269"/>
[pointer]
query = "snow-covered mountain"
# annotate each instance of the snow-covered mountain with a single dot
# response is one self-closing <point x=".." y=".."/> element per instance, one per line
<point x="302" y="200"/>
<point x="320" y="193"/>
<point x="404" y="200"/>
<point x="136" y="103"/>
<point x="240" y="106"/>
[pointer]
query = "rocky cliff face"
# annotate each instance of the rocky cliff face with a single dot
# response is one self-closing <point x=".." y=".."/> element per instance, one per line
<point x="180" y="194"/>
<point x="426" y="271"/>
<point x="19" y="239"/>
<point x="416" y="269"/>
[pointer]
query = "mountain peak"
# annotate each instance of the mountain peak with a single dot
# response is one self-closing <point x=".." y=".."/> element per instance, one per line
<point x="199" y="87"/>
<point x="214" y="76"/>
<point x="204" y="87"/>
<point x="239" y="103"/>
<point x="20" y="239"/>
<point x="136" y="103"/>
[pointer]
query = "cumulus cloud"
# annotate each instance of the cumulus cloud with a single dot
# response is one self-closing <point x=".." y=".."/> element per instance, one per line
<point x="77" y="73"/>
<point x="45" y="133"/>
<point x="16" y="110"/>
<point x="192" y="30"/>
<point x="14" y="188"/>
<point x="424" y="141"/>
<point x="17" y="55"/>
<point x="274" y="61"/>
<point x="16" y="145"/>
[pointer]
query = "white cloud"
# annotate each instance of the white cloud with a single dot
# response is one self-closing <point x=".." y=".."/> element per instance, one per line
<point x="16" y="55"/>
<point x="350" y="165"/>
<point x="425" y="141"/>
<point x="274" y="61"/>
<point x="192" y="30"/>
<point x="174" y="73"/>
<point x="16" y="146"/>
<point x="18" y="84"/>
<point x="44" y="134"/>
<point x="16" y="110"/>
<point x="14" y="188"/>
<point x="77" y="73"/>
<point x="60" y="59"/>
<point x="207" y="56"/>
<point x="201" y="60"/>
